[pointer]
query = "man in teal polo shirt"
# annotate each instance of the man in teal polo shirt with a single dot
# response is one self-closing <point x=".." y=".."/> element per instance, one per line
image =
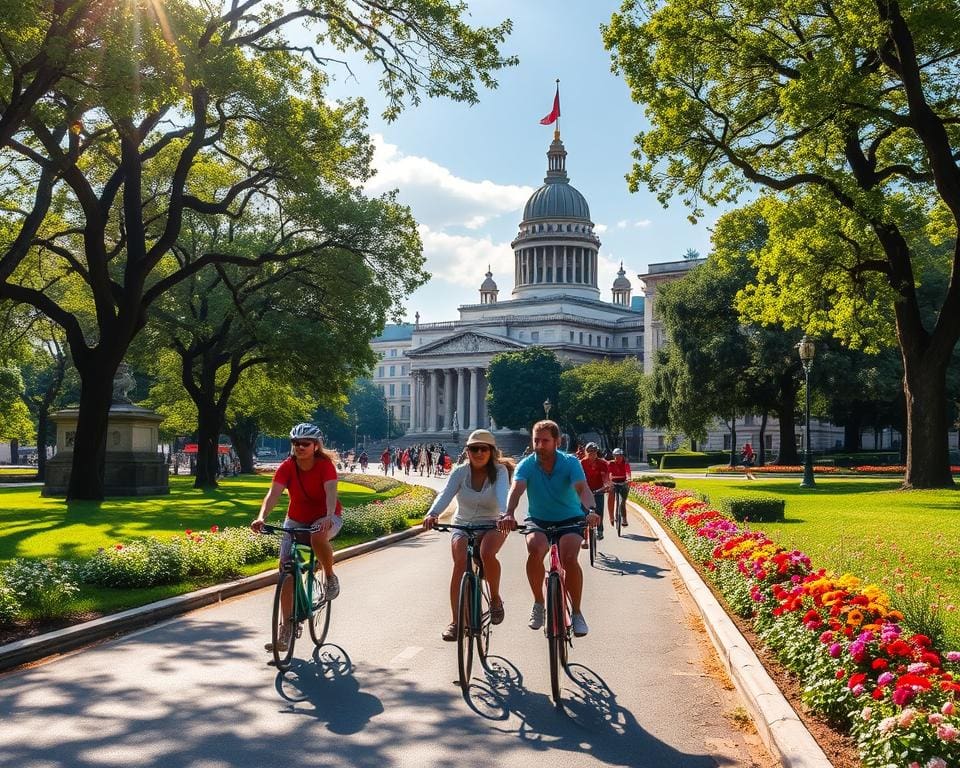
<point x="557" y="493"/>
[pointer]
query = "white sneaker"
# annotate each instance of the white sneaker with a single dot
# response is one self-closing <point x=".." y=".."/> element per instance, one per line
<point x="536" y="616"/>
<point x="333" y="587"/>
<point x="579" y="624"/>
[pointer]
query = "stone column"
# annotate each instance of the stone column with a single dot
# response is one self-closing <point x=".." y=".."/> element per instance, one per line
<point x="461" y="411"/>
<point x="448" y="399"/>
<point x="474" y="400"/>
<point x="563" y="266"/>
<point x="556" y="279"/>
<point x="434" y="401"/>
<point x="578" y="264"/>
<point x="484" y="414"/>
<point x="413" y="401"/>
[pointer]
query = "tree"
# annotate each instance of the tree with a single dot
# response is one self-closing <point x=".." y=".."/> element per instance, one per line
<point x="602" y="397"/>
<point x="858" y="130"/>
<point x="364" y="412"/>
<point x="175" y="108"/>
<point x="518" y="385"/>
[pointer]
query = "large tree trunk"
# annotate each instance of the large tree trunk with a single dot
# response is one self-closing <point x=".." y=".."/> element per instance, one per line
<point x="927" y="443"/>
<point x="733" y="441"/>
<point x="762" y="448"/>
<point x="14" y="451"/>
<point x="209" y="424"/>
<point x="90" y="443"/>
<point x="42" y="426"/>
<point x="244" y="441"/>
<point x="789" y="385"/>
<point x="851" y="433"/>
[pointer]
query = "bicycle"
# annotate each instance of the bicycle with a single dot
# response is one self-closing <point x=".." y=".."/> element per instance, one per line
<point x="309" y="597"/>
<point x="473" y="605"/>
<point x="620" y="506"/>
<point x="559" y="608"/>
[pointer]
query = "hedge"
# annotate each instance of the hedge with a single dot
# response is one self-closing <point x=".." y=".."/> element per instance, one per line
<point x="691" y="460"/>
<point x="756" y="509"/>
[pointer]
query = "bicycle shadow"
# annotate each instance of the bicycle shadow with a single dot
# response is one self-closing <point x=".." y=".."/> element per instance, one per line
<point x="603" y="729"/>
<point x="613" y="564"/>
<point x="326" y="681"/>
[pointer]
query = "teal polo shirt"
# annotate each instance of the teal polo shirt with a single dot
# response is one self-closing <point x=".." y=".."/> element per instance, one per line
<point x="552" y="497"/>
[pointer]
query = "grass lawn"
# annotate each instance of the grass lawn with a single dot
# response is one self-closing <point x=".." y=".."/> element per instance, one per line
<point x="905" y="540"/>
<point x="34" y="526"/>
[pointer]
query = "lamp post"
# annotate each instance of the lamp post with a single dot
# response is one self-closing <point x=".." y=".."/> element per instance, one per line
<point x="806" y="348"/>
<point x="547" y="405"/>
<point x="355" y="424"/>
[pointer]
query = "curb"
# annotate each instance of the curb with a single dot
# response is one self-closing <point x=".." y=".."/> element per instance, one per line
<point x="782" y="731"/>
<point x="62" y="640"/>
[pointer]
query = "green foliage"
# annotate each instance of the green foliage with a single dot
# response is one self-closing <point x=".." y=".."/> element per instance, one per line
<point x="389" y="515"/>
<point x="519" y="383"/>
<point x="365" y="408"/>
<point x="378" y="483"/>
<point x="690" y="459"/>
<point x="601" y="396"/>
<point x="41" y="587"/>
<point x="752" y="508"/>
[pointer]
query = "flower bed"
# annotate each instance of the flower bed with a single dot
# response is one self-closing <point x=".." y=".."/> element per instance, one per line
<point x="773" y="469"/>
<point x="378" y="483"/>
<point x="859" y="666"/>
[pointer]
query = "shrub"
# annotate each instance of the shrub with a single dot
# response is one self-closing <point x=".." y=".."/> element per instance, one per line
<point x="9" y="604"/>
<point x="389" y="515"/>
<point x="378" y="483"/>
<point x="43" y="587"/>
<point x="692" y="460"/>
<point x="754" y="508"/>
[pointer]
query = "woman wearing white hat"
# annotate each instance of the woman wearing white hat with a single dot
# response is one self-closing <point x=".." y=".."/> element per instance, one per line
<point x="480" y="486"/>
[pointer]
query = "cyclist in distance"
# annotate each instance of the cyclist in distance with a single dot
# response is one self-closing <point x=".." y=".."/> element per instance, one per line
<point x="557" y="494"/>
<point x="480" y="487"/>
<point x="619" y="473"/>
<point x="309" y="477"/>
<point x="598" y="477"/>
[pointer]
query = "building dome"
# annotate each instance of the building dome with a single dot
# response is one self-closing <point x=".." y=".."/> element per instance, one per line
<point x="621" y="283"/>
<point x="488" y="290"/>
<point x="488" y="284"/>
<point x="557" y="200"/>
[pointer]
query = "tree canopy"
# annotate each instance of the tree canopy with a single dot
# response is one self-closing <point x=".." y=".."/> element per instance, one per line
<point x="519" y="383"/>
<point x="602" y="397"/>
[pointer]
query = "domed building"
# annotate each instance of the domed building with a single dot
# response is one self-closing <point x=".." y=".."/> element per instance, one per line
<point x="555" y="303"/>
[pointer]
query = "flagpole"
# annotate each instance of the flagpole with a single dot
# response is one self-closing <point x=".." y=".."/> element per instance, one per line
<point x="556" y="132"/>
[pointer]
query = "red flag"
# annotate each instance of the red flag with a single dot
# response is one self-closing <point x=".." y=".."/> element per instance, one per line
<point x="555" y="112"/>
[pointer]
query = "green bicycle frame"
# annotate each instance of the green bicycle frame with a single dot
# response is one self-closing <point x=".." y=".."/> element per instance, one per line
<point x="304" y="562"/>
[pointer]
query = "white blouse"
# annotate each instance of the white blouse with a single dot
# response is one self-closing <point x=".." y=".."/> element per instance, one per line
<point x="473" y="507"/>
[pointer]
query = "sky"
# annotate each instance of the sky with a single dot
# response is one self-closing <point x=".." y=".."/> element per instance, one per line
<point x="466" y="171"/>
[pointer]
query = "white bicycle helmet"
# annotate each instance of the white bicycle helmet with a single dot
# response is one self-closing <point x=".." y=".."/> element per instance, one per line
<point x="306" y="432"/>
<point x="618" y="452"/>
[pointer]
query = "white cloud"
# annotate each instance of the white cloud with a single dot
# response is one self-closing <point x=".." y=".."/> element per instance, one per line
<point x="642" y="223"/>
<point x="608" y="266"/>
<point x="600" y="228"/>
<point x="622" y="224"/>
<point x="439" y="198"/>
<point x="462" y="260"/>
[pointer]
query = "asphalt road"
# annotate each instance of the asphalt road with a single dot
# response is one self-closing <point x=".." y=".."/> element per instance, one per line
<point x="644" y="687"/>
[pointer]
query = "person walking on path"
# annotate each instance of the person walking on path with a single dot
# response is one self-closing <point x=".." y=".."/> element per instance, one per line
<point x="480" y="488"/>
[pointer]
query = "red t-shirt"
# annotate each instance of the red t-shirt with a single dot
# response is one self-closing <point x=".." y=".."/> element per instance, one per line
<point x="308" y="499"/>
<point x="595" y="471"/>
<point x="619" y="471"/>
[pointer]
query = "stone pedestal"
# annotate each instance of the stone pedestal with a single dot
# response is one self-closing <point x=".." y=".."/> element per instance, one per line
<point x="133" y="467"/>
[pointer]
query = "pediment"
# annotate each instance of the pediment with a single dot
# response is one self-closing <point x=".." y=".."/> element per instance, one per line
<point x="467" y="342"/>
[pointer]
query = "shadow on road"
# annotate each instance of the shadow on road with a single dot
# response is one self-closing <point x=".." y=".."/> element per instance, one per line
<point x="614" y="564"/>
<point x="601" y="727"/>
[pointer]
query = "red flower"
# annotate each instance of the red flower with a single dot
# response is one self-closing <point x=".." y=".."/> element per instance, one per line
<point x="118" y="547"/>
<point x="879" y="664"/>
<point x="214" y="528"/>
<point x="856" y="679"/>
<point x="188" y="531"/>
<point x="841" y="673"/>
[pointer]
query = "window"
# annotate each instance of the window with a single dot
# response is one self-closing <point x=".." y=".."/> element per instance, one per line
<point x="380" y="372"/>
<point x="393" y="370"/>
<point x="581" y="337"/>
<point x="748" y="420"/>
<point x="571" y="335"/>
<point x="639" y="341"/>
<point x="768" y="442"/>
<point x="393" y="390"/>
<point x="393" y="353"/>
<point x="404" y="390"/>
<point x="624" y="342"/>
<point x="607" y="342"/>
<point x="404" y="370"/>
<point x="522" y="335"/>
<point x="534" y="335"/>
<point x="591" y="340"/>
<point x="404" y="413"/>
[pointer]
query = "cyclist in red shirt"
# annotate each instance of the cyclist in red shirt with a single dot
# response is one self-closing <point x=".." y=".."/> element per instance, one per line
<point x="598" y="476"/>
<point x="310" y="479"/>
<point x="619" y="473"/>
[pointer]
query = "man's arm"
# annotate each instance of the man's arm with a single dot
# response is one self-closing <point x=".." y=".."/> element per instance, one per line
<point x="508" y="521"/>
<point x="586" y="498"/>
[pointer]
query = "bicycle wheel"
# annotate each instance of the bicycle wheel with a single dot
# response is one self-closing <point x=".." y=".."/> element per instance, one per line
<point x="592" y="539"/>
<point x="483" y="633"/>
<point x="464" y="634"/>
<point x="320" y="616"/>
<point x="556" y="633"/>
<point x="283" y="655"/>
<point x="619" y="513"/>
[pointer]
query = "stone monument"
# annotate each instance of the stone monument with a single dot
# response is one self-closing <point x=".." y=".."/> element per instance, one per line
<point x="132" y="466"/>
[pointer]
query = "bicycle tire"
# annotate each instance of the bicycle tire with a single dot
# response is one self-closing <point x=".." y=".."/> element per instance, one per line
<point x="464" y="634"/>
<point x="484" y="624"/>
<point x="619" y="514"/>
<point x="556" y="634"/>
<point x="592" y="540"/>
<point x="281" y="659"/>
<point x="320" y="613"/>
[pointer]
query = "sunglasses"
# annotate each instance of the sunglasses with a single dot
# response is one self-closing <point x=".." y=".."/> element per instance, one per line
<point x="478" y="448"/>
<point x="301" y="443"/>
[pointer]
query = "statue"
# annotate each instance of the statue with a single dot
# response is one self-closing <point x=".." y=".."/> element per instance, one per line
<point x="123" y="383"/>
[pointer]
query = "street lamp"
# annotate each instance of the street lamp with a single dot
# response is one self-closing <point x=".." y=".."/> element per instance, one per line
<point x="547" y="405"/>
<point x="806" y="349"/>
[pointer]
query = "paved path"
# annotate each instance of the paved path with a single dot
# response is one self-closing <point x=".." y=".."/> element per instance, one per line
<point x="195" y="691"/>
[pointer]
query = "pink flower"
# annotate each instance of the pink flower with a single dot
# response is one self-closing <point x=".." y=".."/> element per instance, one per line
<point x="946" y="732"/>
<point x="903" y="695"/>
<point x="867" y="713"/>
<point x="934" y="718"/>
<point x="936" y="762"/>
<point x="826" y="637"/>
<point x="835" y="650"/>
<point x="887" y="724"/>
<point x="914" y="764"/>
<point x="953" y="655"/>
<point x="907" y="717"/>
<point x="917" y="668"/>
<point x="948" y="708"/>
<point x="857" y="690"/>
<point x="884" y="678"/>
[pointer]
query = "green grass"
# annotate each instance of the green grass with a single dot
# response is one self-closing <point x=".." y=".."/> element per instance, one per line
<point x="34" y="526"/>
<point x="907" y="541"/>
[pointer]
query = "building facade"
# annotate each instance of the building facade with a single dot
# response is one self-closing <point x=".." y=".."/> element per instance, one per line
<point x="392" y="374"/>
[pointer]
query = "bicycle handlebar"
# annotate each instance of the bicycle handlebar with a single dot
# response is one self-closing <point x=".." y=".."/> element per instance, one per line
<point x="276" y="529"/>
<point x="452" y="527"/>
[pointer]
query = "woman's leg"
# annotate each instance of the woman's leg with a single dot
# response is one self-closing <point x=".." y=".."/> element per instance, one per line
<point x="489" y="547"/>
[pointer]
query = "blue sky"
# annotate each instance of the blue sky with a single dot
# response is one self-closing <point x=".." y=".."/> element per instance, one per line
<point x="467" y="171"/>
